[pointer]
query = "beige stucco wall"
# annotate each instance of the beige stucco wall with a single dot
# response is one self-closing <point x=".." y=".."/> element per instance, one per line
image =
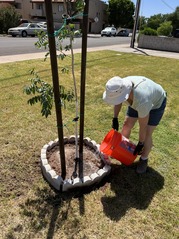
<point x="159" y="43"/>
<point x="96" y="9"/>
<point x="26" y="5"/>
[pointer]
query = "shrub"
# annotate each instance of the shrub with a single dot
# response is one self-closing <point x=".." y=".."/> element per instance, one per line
<point x="165" y="29"/>
<point x="149" y="31"/>
<point x="9" y="17"/>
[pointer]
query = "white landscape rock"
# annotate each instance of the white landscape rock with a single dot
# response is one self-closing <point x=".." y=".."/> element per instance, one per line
<point x="58" y="183"/>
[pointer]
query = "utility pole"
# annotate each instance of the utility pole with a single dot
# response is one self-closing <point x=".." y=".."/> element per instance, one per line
<point x="137" y="10"/>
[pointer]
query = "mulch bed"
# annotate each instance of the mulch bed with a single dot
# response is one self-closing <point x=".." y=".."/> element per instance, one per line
<point x="91" y="161"/>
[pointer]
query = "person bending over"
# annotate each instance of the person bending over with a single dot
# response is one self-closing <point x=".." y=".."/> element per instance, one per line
<point x="146" y="103"/>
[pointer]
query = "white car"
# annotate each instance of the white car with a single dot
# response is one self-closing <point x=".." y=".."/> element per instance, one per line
<point x="42" y="24"/>
<point x="26" y="29"/>
<point x="109" y="31"/>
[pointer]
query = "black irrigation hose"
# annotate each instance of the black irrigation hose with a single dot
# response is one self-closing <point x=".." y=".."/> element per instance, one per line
<point x="74" y="174"/>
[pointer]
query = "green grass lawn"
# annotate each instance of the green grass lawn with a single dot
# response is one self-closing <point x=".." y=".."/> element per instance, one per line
<point x="126" y="206"/>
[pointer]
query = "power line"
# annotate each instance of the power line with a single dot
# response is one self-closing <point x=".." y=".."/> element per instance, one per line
<point x="167" y="5"/>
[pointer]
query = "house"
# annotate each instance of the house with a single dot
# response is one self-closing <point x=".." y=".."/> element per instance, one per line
<point x="34" y="10"/>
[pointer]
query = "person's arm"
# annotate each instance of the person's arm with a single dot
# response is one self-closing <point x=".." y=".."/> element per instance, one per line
<point x="117" y="109"/>
<point x="115" y="123"/>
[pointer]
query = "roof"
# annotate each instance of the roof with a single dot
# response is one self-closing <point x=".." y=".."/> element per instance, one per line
<point x="6" y="1"/>
<point x="53" y="1"/>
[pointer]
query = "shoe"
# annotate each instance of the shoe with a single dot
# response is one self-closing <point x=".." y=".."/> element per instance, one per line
<point x="142" y="166"/>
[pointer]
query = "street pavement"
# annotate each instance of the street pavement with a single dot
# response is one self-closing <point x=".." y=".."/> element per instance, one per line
<point x="119" y="48"/>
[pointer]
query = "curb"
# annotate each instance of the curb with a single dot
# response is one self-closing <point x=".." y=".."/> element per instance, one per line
<point x="118" y="48"/>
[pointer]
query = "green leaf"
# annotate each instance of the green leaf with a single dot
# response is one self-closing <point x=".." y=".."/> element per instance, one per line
<point x="61" y="56"/>
<point x="65" y="70"/>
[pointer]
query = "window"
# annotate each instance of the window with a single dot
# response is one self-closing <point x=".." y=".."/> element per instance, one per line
<point x="60" y="8"/>
<point x="18" y="6"/>
<point x="39" y="6"/>
<point x="32" y="25"/>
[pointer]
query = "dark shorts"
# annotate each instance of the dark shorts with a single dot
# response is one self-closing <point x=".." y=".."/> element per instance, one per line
<point x="154" y="115"/>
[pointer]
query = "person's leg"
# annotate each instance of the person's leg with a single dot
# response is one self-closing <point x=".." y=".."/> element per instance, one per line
<point x="143" y="162"/>
<point x="154" y="119"/>
<point x="129" y="123"/>
<point x="148" y="141"/>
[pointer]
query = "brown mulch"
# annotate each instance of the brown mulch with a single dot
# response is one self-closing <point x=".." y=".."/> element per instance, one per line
<point x="91" y="161"/>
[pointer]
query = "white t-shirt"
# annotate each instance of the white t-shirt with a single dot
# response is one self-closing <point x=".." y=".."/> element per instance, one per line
<point x="147" y="95"/>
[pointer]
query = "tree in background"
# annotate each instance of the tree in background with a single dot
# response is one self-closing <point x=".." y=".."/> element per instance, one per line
<point x="120" y="13"/>
<point x="165" y="29"/>
<point x="142" y="23"/>
<point x="174" y="18"/>
<point x="8" y="17"/>
<point x="155" y="20"/>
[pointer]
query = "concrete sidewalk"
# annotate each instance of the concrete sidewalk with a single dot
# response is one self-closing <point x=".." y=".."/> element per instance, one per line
<point x="119" y="48"/>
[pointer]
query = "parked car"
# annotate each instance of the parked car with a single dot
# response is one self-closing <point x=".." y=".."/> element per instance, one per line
<point x="26" y="29"/>
<point x="124" y="33"/>
<point x="176" y="33"/>
<point x="43" y="24"/>
<point x="109" y="31"/>
<point x="23" y="21"/>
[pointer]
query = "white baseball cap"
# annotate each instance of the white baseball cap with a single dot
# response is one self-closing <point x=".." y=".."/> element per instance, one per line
<point x="117" y="90"/>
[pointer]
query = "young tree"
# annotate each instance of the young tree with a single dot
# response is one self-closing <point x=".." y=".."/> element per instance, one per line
<point x="43" y="92"/>
<point x="121" y="13"/>
<point x="9" y="17"/>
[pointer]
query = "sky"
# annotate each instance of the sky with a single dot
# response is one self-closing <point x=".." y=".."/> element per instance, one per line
<point x="152" y="7"/>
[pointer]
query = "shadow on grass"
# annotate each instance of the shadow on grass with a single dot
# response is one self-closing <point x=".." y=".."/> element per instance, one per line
<point x="51" y="209"/>
<point x="139" y="50"/>
<point x="131" y="190"/>
<point x="91" y="62"/>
